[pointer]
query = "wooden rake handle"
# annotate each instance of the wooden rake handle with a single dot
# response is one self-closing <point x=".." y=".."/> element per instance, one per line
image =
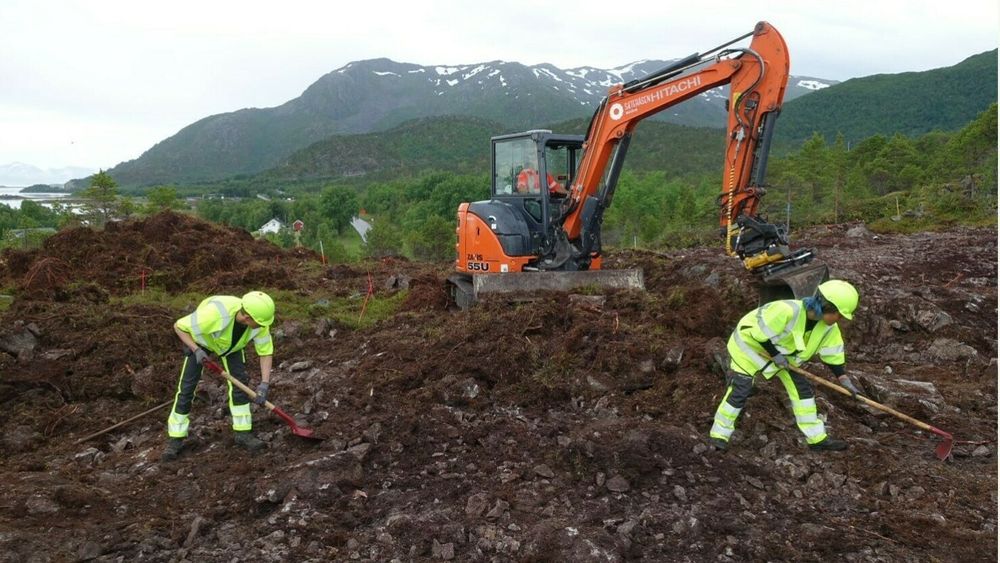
<point x="217" y="370"/>
<point x="869" y="402"/>
<point x="123" y="423"/>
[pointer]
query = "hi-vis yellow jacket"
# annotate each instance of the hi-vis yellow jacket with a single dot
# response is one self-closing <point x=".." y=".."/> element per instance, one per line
<point x="783" y="323"/>
<point x="211" y="327"/>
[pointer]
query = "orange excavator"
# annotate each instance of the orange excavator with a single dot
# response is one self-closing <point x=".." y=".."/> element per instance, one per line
<point x="541" y="228"/>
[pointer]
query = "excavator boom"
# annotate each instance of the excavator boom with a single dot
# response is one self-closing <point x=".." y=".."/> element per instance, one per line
<point x="561" y="232"/>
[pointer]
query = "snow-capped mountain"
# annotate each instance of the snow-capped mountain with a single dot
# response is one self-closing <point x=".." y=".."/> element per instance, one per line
<point x="378" y="94"/>
<point x="585" y="85"/>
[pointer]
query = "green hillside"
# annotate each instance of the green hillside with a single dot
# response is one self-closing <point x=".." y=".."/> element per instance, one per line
<point x="446" y="143"/>
<point x="911" y="103"/>
<point x="462" y="145"/>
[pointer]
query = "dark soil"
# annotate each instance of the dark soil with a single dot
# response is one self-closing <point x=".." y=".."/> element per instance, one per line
<point x="564" y="428"/>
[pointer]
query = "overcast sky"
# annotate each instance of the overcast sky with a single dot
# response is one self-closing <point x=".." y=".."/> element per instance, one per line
<point x="92" y="83"/>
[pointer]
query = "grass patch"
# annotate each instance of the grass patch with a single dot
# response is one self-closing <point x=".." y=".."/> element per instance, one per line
<point x="5" y="301"/>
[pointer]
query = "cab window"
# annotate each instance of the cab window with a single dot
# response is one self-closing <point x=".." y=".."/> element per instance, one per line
<point x="515" y="167"/>
<point x="557" y="164"/>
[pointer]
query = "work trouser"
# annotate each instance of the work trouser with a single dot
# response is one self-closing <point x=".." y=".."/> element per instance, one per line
<point x="799" y="390"/>
<point x="239" y="402"/>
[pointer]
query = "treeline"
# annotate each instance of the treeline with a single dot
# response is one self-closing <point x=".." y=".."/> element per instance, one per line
<point x="413" y="217"/>
<point x="326" y="216"/>
<point x="29" y="225"/>
<point x="894" y="183"/>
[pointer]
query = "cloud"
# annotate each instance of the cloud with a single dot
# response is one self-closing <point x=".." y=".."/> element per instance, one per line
<point x="117" y="76"/>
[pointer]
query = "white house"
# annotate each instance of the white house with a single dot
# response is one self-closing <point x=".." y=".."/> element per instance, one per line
<point x="272" y="226"/>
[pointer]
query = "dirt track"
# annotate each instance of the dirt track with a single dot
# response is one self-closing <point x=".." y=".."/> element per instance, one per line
<point x="570" y="428"/>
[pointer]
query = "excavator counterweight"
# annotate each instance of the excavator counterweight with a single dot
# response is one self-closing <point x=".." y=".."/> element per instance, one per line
<point x="541" y="227"/>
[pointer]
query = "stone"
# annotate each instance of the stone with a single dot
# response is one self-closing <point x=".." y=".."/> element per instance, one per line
<point x="398" y="281"/>
<point x="858" y="231"/>
<point x="981" y="451"/>
<point x="627" y="527"/>
<point x="353" y="544"/>
<point x="373" y="432"/>
<point x="398" y="520"/>
<point x="476" y="505"/>
<point x="933" y="321"/>
<point x="699" y="448"/>
<point x="444" y="551"/>
<point x="755" y="483"/>
<point x="599" y="479"/>
<point x="360" y="451"/>
<point x="300" y="366"/>
<point x="949" y="350"/>
<point x="87" y="456"/>
<point x="498" y="509"/>
<point x="20" y="342"/>
<point x="88" y="550"/>
<point x="470" y="389"/>
<point x="815" y="481"/>
<point x="672" y="359"/>
<point x="680" y="493"/>
<point x="835" y="479"/>
<point x="914" y="493"/>
<point x="41" y="505"/>
<point x="617" y="484"/>
<point x="544" y="471"/>
<point x="56" y="353"/>
<point x="596" y="384"/>
<point x="193" y="533"/>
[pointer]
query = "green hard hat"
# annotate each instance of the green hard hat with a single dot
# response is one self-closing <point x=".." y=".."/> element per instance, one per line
<point x="260" y="307"/>
<point x="842" y="295"/>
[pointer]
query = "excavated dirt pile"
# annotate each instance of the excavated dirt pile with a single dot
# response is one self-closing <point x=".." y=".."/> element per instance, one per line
<point x="569" y="427"/>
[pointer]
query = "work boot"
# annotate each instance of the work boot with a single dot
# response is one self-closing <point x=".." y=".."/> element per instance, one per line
<point x="173" y="449"/>
<point x="828" y="445"/>
<point x="719" y="444"/>
<point x="249" y="442"/>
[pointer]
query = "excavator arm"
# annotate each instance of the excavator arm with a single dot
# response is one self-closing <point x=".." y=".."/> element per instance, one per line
<point x="757" y="76"/>
<point x="521" y="242"/>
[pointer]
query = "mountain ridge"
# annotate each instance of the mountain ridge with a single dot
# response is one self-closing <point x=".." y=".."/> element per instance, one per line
<point x="378" y="94"/>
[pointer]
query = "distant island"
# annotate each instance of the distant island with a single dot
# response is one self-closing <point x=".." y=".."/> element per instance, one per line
<point x="45" y="189"/>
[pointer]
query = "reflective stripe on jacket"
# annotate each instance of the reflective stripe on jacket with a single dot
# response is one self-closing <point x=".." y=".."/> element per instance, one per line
<point x="783" y="323"/>
<point x="211" y="327"/>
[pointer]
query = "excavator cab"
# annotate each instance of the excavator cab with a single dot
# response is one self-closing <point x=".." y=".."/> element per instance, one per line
<point x="530" y="173"/>
<point x="521" y="223"/>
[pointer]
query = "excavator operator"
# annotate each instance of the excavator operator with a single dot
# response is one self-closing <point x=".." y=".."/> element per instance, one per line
<point x="529" y="182"/>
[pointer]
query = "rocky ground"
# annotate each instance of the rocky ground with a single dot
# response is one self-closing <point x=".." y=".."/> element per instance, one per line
<point x="568" y="428"/>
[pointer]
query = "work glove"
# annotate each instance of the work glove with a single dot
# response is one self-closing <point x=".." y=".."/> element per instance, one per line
<point x="262" y="393"/>
<point x="200" y="356"/>
<point x="846" y="383"/>
<point x="780" y="361"/>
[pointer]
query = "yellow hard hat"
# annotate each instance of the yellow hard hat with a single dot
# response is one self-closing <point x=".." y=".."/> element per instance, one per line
<point x="260" y="307"/>
<point x="843" y="296"/>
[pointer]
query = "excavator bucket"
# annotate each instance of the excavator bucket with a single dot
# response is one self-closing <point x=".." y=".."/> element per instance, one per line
<point x="466" y="292"/>
<point x="795" y="282"/>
